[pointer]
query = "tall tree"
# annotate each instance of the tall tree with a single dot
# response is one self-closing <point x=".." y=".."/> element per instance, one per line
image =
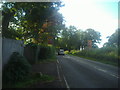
<point x="72" y="38"/>
<point x="31" y="20"/>
<point x="69" y="38"/>
<point x="92" y="35"/>
<point x="114" y="39"/>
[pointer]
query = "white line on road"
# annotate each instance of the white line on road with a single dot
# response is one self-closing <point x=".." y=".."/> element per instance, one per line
<point x="106" y="72"/>
<point x="57" y="61"/>
<point x="114" y="75"/>
<point x="63" y="77"/>
<point x="66" y="82"/>
<point x="58" y="73"/>
<point x="101" y="70"/>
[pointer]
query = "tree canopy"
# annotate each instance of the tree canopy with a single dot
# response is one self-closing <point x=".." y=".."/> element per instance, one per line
<point x="73" y="38"/>
<point x="38" y="22"/>
<point x="114" y="39"/>
<point x="34" y="21"/>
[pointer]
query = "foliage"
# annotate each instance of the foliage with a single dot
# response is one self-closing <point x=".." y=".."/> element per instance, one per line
<point x="46" y="52"/>
<point x="93" y="35"/>
<point x="66" y="52"/>
<point x="31" y="20"/>
<point x="71" y="38"/>
<point x="113" y="40"/>
<point x="106" y="54"/>
<point x="74" y="51"/>
<point x="32" y="79"/>
<point x="30" y="52"/>
<point x="15" y="70"/>
<point x="32" y="45"/>
<point x="109" y="53"/>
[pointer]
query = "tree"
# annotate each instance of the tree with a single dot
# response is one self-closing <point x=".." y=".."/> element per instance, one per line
<point x="73" y="38"/>
<point x="7" y="13"/>
<point x="30" y="18"/>
<point x="92" y="35"/>
<point x="113" y="40"/>
<point x="83" y="37"/>
<point x="69" y="37"/>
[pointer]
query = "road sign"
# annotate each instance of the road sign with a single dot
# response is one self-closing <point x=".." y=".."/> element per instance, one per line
<point x="89" y="43"/>
<point x="50" y="40"/>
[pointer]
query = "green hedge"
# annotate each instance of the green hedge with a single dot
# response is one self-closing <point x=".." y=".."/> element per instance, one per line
<point x="46" y="52"/>
<point x="41" y="52"/>
<point x="109" y="54"/>
<point x="17" y="69"/>
<point x="30" y="52"/>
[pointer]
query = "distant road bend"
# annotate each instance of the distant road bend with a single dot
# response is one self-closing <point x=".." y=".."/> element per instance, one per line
<point x="83" y="73"/>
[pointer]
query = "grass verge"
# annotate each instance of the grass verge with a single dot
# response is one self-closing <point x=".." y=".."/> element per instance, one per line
<point x="32" y="79"/>
<point x="98" y="60"/>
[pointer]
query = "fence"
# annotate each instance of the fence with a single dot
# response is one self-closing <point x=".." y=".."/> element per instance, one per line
<point x="31" y="54"/>
<point x="9" y="46"/>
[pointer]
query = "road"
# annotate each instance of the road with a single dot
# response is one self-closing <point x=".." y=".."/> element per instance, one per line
<point x="84" y="73"/>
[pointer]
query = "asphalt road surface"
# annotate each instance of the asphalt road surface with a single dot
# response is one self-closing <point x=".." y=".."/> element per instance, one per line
<point x="84" y="73"/>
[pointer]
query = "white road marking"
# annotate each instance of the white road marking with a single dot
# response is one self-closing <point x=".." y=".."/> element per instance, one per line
<point x="58" y="73"/>
<point x="57" y="61"/>
<point x="63" y="76"/>
<point x="106" y="72"/>
<point x="114" y="75"/>
<point x="66" y="82"/>
<point x="101" y="70"/>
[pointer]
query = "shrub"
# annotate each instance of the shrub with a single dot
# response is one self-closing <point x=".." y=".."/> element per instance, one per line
<point x="107" y="54"/>
<point x="66" y="52"/>
<point x="30" y="52"/>
<point x="74" y="51"/>
<point x="15" y="70"/>
<point x="46" y="52"/>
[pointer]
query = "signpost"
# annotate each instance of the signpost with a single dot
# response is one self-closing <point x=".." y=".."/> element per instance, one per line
<point x="50" y="40"/>
<point x="89" y="43"/>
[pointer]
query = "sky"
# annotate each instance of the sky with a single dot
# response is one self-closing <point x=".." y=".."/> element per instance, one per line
<point x="100" y="15"/>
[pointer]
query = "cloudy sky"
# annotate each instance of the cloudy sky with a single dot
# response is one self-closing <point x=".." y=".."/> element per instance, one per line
<point x="100" y="15"/>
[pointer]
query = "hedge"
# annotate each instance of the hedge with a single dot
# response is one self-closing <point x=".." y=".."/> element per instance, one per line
<point x="46" y="52"/>
<point x="17" y="69"/>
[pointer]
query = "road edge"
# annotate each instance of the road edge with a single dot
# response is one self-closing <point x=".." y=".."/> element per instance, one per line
<point x="61" y="76"/>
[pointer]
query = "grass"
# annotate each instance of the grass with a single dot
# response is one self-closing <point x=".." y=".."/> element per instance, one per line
<point x="98" y="60"/>
<point x="32" y="79"/>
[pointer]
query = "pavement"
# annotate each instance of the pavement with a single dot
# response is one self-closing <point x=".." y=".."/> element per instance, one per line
<point x="52" y="69"/>
<point x="84" y="73"/>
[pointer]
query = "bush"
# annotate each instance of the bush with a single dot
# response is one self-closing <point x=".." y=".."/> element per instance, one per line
<point x="30" y="52"/>
<point x="107" y="54"/>
<point x="74" y="51"/>
<point x="46" y="52"/>
<point x="17" y="69"/>
<point x="66" y="52"/>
